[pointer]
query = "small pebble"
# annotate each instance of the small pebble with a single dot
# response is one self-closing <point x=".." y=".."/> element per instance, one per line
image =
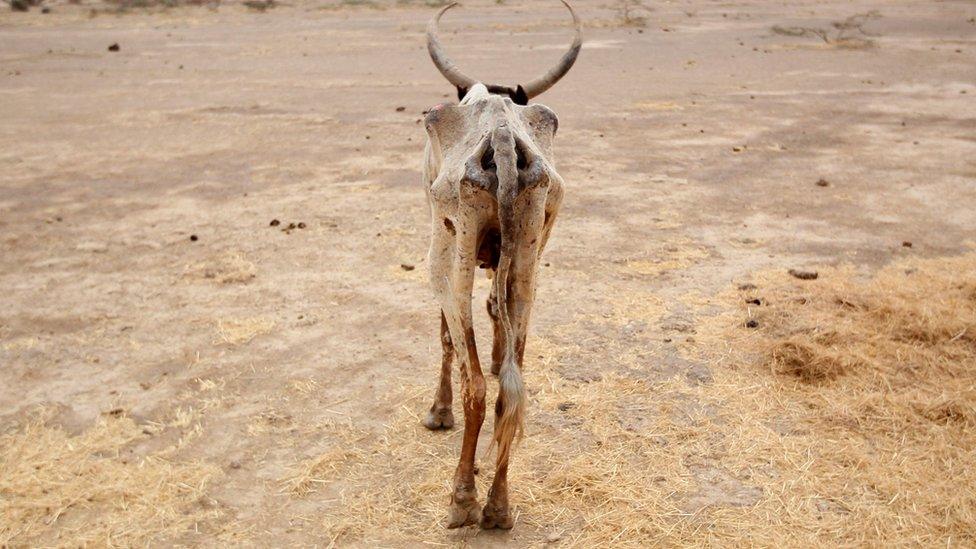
<point x="114" y="47"/>
<point x="194" y="237"/>
<point x="823" y="182"/>
<point x="752" y="323"/>
<point x="407" y="267"/>
<point x="275" y="223"/>
<point x="906" y="243"/>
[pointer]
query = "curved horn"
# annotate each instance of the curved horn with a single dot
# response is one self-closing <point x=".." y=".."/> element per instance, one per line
<point x="547" y="80"/>
<point x="440" y="59"/>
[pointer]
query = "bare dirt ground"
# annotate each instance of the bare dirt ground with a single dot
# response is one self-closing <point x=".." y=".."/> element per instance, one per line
<point x="212" y="378"/>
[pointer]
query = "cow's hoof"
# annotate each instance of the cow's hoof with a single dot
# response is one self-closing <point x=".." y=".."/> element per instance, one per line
<point x="439" y="419"/>
<point x="463" y="513"/>
<point x="496" y="517"/>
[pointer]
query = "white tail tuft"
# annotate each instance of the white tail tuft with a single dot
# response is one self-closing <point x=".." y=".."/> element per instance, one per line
<point x="510" y="423"/>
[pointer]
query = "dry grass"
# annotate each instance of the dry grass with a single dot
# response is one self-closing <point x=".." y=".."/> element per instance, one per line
<point x="912" y="326"/>
<point x="236" y="331"/>
<point x="392" y="487"/>
<point x="848" y="421"/>
<point x="674" y="256"/>
<point x="226" y="268"/>
<point x="875" y="380"/>
<point x="57" y="489"/>
<point x="846" y="418"/>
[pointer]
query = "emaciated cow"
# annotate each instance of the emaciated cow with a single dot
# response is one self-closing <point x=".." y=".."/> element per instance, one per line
<point x="493" y="194"/>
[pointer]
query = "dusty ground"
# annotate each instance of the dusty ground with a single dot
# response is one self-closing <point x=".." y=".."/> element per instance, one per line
<point x="691" y="146"/>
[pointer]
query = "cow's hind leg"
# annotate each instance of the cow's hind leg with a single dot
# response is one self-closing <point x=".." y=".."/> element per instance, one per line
<point x="496" y="512"/>
<point x="464" y="508"/>
<point x="452" y="276"/>
<point x="440" y="415"/>
<point x="520" y="290"/>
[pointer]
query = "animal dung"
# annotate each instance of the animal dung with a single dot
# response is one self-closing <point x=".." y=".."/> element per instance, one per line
<point x="803" y="275"/>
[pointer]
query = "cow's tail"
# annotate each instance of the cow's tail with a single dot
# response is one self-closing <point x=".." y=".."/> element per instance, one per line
<point x="510" y="408"/>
